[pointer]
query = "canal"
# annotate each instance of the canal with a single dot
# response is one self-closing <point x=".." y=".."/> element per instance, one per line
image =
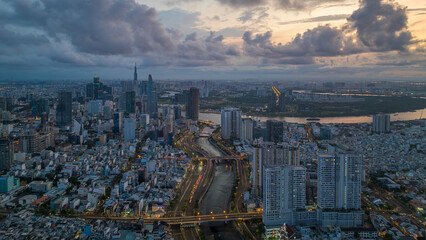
<point x="218" y="196"/>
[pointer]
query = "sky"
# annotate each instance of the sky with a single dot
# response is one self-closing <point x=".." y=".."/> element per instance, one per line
<point x="213" y="39"/>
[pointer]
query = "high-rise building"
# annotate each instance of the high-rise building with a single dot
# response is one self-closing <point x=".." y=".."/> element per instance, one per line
<point x="130" y="102"/>
<point x="231" y="123"/>
<point x="95" y="107"/>
<point x="39" y="107"/>
<point x="35" y="142"/>
<point x="144" y="120"/>
<point x="64" y="108"/>
<point x="177" y="110"/>
<point x="193" y="104"/>
<point x="381" y="123"/>
<point x="275" y="131"/>
<point x="269" y="154"/>
<point x="152" y="97"/>
<point x="129" y="129"/>
<point x="135" y="82"/>
<point x="118" y="122"/>
<point x="6" y="154"/>
<point x="339" y="181"/>
<point x="284" y="192"/>
<point x="247" y="127"/>
<point x="98" y="90"/>
<point x="205" y="90"/>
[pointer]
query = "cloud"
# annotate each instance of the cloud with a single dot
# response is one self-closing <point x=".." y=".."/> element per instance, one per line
<point x="302" y="5"/>
<point x="194" y="51"/>
<point x="318" y="19"/>
<point x="375" y="27"/>
<point x="255" y="15"/>
<point x="381" y="26"/>
<point x="242" y="3"/>
<point x="104" y="32"/>
<point x="11" y="38"/>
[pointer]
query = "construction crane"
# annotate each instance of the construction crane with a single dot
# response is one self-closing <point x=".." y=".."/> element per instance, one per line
<point x="277" y="93"/>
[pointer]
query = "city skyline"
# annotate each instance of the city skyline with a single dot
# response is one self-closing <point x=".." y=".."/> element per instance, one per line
<point x="213" y="40"/>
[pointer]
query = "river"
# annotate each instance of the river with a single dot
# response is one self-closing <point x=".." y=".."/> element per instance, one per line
<point x="399" y="116"/>
<point x="217" y="197"/>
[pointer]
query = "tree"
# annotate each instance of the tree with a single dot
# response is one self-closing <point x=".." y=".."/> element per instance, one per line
<point x="356" y="235"/>
<point x="388" y="237"/>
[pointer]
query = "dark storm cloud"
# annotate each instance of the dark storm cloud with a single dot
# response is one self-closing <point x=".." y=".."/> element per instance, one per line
<point x="375" y="27"/>
<point x="101" y="32"/>
<point x="194" y="51"/>
<point x="101" y="27"/>
<point x="381" y="26"/>
<point x="11" y="38"/>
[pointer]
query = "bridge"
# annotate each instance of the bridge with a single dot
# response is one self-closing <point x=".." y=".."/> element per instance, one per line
<point x="185" y="220"/>
<point x="238" y="157"/>
<point x="205" y="218"/>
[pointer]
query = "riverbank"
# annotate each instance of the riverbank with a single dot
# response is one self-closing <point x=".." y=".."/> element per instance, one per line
<point x="399" y="116"/>
<point x="369" y="106"/>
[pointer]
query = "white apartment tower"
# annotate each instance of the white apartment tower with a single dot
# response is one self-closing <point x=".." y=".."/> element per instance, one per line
<point x="339" y="181"/>
<point x="231" y="123"/>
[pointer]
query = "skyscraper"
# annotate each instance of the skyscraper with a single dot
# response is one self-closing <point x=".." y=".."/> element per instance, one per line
<point x="231" y="123"/>
<point x="247" y="127"/>
<point x="269" y="154"/>
<point x="98" y="90"/>
<point x="135" y="82"/>
<point x="118" y="122"/>
<point x="177" y="110"/>
<point x="284" y="192"/>
<point x="193" y="104"/>
<point x="129" y="129"/>
<point x="275" y="130"/>
<point x="64" y="108"/>
<point x="381" y="123"/>
<point x="152" y="97"/>
<point x="339" y="181"/>
<point x="130" y="102"/>
<point x="6" y="153"/>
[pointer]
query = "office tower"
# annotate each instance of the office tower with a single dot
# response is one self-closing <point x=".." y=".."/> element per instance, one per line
<point x="193" y="104"/>
<point x="130" y="102"/>
<point x="39" y="107"/>
<point x="95" y="107"/>
<point x="284" y="192"/>
<point x="269" y="154"/>
<point x="381" y="123"/>
<point x="6" y="153"/>
<point x="107" y="112"/>
<point x="144" y="120"/>
<point x="152" y="97"/>
<point x="64" y="108"/>
<point x="205" y="90"/>
<point x="177" y="110"/>
<point x="129" y="129"/>
<point x="98" y="90"/>
<point x="260" y="131"/>
<point x="118" y="121"/>
<point x="275" y="131"/>
<point x="135" y="82"/>
<point x="247" y="127"/>
<point x="231" y="123"/>
<point x="339" y="181"/>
